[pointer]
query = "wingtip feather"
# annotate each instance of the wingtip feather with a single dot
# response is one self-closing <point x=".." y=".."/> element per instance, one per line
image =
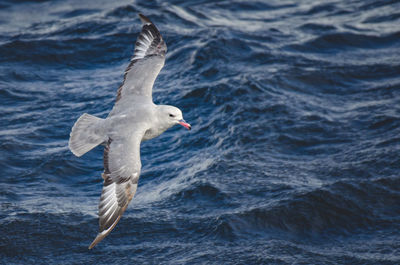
<point x="102" y="235"/>
<point x="144" y="19"/>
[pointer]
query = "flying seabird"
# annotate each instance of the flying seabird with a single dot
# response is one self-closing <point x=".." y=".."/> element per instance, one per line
<point x="133" y="119"/>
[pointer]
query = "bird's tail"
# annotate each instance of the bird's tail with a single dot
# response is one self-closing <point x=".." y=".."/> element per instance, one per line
<point x="85" y="134"/>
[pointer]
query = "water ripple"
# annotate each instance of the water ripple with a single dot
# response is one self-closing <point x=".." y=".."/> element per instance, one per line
<point x="293" y="155"/>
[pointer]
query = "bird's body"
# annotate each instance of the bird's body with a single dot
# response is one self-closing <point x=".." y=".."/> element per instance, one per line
<point x="133" y="119"/>
<point x="144" y="115"/>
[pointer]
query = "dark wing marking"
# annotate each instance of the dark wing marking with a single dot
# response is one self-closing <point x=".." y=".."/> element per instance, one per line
<point x="121" y="175"/>
<point x="146" y="63"/>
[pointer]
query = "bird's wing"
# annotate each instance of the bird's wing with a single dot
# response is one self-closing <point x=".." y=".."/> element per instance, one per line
<point x="121" y="175"/>
<point x="146" y="63"/>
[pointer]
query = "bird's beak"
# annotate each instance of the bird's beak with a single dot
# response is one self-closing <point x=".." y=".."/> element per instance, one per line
<point x="185" y="124"/>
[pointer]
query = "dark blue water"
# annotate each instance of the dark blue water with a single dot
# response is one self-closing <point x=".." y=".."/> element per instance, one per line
<point x="294" y="155"/>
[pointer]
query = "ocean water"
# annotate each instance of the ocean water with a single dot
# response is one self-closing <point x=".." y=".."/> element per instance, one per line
<point x="293" y="156"/>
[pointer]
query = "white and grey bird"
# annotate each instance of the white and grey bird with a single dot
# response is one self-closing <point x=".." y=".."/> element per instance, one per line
<point x="133" y="119"/>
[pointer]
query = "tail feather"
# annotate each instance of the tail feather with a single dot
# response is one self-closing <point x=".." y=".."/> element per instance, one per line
<point x="85" y="135"/>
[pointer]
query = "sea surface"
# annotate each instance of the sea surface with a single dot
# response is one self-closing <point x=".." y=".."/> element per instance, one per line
<point x="294" y="152"/>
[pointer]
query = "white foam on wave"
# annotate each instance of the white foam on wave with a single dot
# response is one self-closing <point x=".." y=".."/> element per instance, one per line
<point x="151" y="192"/>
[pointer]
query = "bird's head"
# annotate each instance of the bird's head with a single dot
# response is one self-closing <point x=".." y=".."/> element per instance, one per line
<point x="172" y="115"/>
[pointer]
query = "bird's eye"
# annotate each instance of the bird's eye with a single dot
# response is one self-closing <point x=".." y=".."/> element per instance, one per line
<point x="171" y="115"/>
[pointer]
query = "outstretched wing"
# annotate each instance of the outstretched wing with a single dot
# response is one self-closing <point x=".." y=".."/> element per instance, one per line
<point x="121" y="175"/>
<point x="146" y="63"/>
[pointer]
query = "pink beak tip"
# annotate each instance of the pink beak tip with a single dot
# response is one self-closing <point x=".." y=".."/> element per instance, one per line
<point x="185" y="124"/>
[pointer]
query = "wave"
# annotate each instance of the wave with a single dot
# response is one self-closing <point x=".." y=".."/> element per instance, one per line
<point x="342" y="41"/>
<point x="59" y="52"/>
<point x="339" y="209"/>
